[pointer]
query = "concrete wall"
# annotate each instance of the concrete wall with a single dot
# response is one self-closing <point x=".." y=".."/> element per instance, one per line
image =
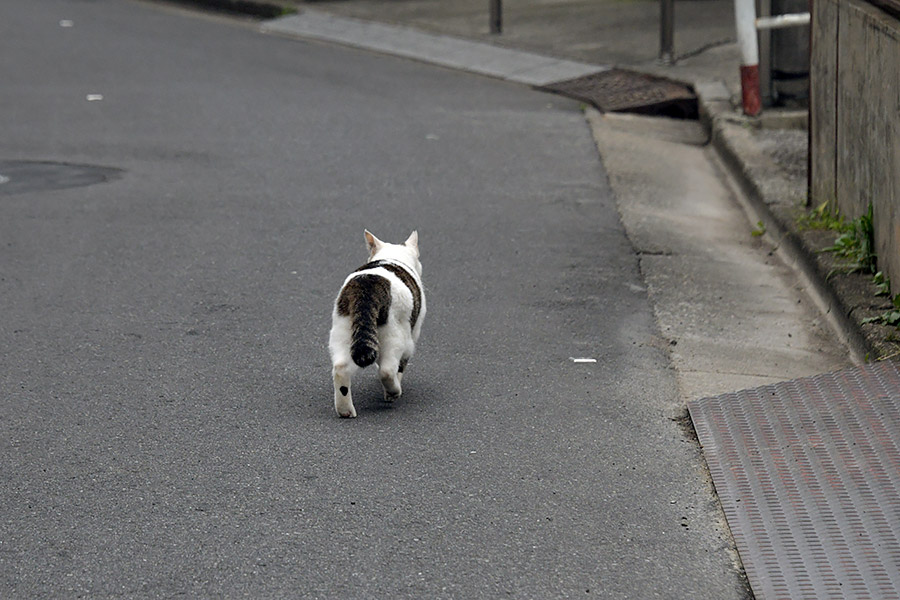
<point x="855" y="118"/>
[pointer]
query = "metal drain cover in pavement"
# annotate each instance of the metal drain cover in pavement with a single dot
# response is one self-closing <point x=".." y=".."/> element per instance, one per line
<point x="808" y="473"/>
<point x="21" y="176"/>
<point x="618" y="90"/>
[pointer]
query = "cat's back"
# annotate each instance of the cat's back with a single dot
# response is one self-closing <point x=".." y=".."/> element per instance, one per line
<point x="386" y="282"/>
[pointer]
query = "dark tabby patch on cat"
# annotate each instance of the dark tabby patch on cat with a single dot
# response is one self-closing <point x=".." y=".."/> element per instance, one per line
<point x="366" y="292"/>
<point x="407" y="279"/>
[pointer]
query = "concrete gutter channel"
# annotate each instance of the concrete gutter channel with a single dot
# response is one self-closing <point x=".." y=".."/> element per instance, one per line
<point x="768" y="194"/>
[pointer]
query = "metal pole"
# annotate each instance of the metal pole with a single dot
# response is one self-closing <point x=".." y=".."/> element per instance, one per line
<point x="764" y="41"/>
<point x="667" y="31"/>
<point x="496" y="17"/>
<point x="745" y="17"/>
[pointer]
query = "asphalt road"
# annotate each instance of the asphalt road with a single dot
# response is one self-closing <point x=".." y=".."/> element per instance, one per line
<point x="166" y="419"/>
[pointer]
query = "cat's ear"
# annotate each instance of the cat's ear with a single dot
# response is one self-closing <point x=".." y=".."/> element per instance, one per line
<point x="413" y="242"/>
<point x="373" y="243"/>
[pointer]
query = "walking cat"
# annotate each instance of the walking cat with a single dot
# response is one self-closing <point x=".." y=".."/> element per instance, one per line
<point x="377" y="318"/>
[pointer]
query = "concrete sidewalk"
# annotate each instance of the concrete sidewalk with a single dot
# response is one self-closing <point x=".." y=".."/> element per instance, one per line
<point x="607" y="32"/>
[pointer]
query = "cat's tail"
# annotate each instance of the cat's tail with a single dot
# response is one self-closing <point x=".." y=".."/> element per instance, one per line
<point x="364" y="340"/>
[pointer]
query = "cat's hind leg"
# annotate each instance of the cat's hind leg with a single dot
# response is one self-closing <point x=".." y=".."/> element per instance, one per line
<point x="342" y="373"/>
<point x="389" y="371"/>
<point x="402" y="367"/>
<point x="396" y="352"/>
<point x="390" y="380"/>
<point x="409" y="346"/>
<point x="343" y="366"/>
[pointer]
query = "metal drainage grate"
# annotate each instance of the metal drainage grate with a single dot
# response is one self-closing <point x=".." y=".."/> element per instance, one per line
<point x="618" y="90"/>
<point x="808" y="473"/>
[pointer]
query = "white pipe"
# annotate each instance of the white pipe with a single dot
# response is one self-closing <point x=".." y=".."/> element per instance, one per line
<point x="745" y="18"/>
<point x="782" y="21"/>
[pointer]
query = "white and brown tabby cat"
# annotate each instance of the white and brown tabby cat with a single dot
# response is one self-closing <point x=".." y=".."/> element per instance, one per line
<point x="377" y="318"/>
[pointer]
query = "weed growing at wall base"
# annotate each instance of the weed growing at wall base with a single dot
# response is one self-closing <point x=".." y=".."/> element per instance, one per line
<point x="882" y="284"/>
<point x="857" y="244"/>
<point x="822" y="217"/>
<point x="890" y="317"/>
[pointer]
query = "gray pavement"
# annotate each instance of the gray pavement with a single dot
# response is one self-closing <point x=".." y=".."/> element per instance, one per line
<point x="167" y="422"/>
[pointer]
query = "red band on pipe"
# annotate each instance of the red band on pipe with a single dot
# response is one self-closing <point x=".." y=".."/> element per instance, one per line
<point x="750" y="90"/>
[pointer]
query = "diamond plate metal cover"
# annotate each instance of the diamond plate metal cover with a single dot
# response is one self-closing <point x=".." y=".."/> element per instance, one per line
<point x="808" y="473"/>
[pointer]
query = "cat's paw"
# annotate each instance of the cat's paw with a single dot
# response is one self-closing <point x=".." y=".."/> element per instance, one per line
<point x="345" y="410"/>
<point x="390" y="397"/>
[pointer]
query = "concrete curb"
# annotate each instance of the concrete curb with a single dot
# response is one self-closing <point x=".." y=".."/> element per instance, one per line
<point x="447" y="51"/>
